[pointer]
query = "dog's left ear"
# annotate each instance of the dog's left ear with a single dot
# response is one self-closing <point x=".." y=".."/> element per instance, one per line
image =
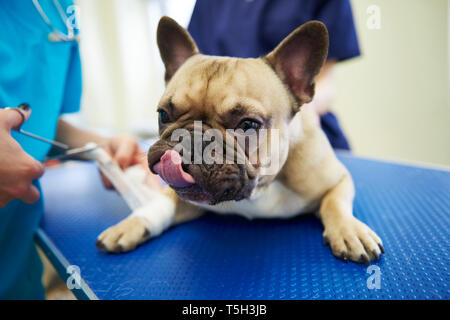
<point x="299" y="57"/>
<point x="175" y="45"/>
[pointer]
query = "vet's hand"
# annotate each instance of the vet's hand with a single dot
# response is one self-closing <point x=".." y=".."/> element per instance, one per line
<point x="17" y="168"/>
<point x="126" y="152"/>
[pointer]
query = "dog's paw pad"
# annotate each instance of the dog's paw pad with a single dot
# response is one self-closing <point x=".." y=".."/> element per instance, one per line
<point x="124" y="236"/>
<point x="353" y="240"/>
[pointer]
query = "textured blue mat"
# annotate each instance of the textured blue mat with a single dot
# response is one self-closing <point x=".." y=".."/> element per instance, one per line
<point x="219" y="257"/>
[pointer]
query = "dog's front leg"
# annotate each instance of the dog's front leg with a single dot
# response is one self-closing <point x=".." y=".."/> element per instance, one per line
<point x="149" y="221"/>
<point x="348" y="237"/>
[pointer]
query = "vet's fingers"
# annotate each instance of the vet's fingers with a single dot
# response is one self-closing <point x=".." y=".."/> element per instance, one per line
<point x="154" y="182"/>
<point x="31" y="195"/>
<point x="5" y="199"/>
<point x="31" y="168"/>
<point x="140" y="157"/>
<point x="125" y="154"/>
<point x="151" y="180"/>
<point x="106" y="183"/>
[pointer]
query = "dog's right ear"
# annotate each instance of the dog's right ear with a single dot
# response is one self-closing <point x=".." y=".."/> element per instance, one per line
<point x="175" y="45"/>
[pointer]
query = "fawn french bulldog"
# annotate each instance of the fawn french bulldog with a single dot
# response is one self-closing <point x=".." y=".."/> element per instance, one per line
<point x="249" y="96"/>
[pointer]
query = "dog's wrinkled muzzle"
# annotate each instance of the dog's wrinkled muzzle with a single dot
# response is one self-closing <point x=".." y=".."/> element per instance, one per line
<point x="204" y="182"/>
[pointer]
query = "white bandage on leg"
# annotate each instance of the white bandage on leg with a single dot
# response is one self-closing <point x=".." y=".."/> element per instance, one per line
<point x="159" y="213"/>
<point x="157" y="209"/>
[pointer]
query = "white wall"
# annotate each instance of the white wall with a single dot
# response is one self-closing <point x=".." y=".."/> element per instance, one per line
<point x="122" y="71"/>
<point x="394" y="100"/>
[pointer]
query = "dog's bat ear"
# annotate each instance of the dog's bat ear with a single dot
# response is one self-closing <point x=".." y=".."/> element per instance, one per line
<point x="175" y="45"/>
<point x="299" y="57"/>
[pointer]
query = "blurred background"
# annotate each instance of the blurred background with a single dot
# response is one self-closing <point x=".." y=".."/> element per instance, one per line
<point x="393" y="101"/>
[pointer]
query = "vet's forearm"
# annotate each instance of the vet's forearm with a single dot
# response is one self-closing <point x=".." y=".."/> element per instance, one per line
<point x="75" y="137"/>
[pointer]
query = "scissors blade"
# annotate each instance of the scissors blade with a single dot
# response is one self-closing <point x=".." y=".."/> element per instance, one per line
<point x="55" y="143"/>
<point x="74" y="152"/>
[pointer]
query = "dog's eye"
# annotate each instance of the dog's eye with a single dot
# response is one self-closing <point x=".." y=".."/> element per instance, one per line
<point x="163" y="116"/>
<point x="248" y="124"/>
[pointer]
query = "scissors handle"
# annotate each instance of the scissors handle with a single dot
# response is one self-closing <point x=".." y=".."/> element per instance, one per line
<point x="21" y="109"/>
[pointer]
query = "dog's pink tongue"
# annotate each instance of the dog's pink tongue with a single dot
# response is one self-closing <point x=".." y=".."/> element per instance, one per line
<point x="169" y="168"/>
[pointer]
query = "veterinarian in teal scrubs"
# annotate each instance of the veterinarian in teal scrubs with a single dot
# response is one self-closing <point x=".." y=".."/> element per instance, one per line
<point x="47" y="75"/>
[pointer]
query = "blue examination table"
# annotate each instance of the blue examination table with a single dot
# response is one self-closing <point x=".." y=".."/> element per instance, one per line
<point x="229" y="257"/>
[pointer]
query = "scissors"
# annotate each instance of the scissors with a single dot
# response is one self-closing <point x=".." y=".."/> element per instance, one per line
<point x="67" y="152"/>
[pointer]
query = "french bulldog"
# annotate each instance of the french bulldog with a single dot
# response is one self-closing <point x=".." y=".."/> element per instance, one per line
<point x="247" y="95"/>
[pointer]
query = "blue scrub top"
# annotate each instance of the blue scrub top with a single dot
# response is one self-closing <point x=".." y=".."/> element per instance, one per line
<point x="253" y="28"/>
<point x="47" y="75"/>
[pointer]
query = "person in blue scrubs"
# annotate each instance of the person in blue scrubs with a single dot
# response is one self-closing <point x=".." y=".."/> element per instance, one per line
<point x="47" y="76"/>
<point x="253" y="28"/>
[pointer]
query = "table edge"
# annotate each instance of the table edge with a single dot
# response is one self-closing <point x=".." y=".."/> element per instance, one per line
<point x="60" y="263"/>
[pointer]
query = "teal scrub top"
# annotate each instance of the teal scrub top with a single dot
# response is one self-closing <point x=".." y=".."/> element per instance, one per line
<point x="47" y="75"/>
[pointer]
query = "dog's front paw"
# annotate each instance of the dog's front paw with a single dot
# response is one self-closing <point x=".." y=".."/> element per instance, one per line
<point x="124" y="236"/>
<point x="352" y="239"/>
